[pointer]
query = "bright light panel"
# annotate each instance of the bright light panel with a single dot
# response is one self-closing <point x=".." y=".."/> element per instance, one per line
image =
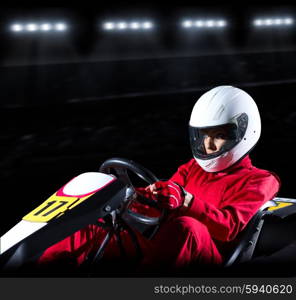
<point x="273" y="22"/>
<point x="109" y="26"/>
<point x="135" y="25"/>
<point x="147" y="25"/>
<point x="17" y="27"/>
<point x="60" y="26"/>
<point x="221" y="23"/>
<point x="124" y="25"/>
<point x="38" y="27"/>
<point x="31" y="27"/>
<point x="204" y="23"/>
<point x="45" y="27"/>
<point x="187" y="24"/>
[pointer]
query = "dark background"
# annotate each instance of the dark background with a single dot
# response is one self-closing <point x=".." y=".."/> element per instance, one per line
<point x="71" y="101"/>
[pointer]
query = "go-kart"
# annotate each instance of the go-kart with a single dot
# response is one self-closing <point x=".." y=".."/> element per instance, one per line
<point x="103" y="198"/>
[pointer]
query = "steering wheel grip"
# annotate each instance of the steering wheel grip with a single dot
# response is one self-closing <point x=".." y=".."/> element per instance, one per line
<point x="120" y="165"/>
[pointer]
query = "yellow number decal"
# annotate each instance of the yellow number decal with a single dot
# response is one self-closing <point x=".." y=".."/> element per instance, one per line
<point x="280" y="205"/>
<point x="53" y="207"/>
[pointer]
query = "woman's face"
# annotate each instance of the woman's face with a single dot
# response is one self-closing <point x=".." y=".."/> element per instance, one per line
<point x="214" y="139"/>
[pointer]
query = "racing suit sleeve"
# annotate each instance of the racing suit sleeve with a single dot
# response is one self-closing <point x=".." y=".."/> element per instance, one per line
<point x="240" y="203"/>
<point x="182" y="172"/>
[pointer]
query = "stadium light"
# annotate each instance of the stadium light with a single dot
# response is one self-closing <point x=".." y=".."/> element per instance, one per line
<point x="45" y="27"/>
<point x="109" y="26"/>
<point x="122" y="25"/>
<point x="17" y="27"/>
<point x="187" y="24"/>
<point x="288" y="21"/>
<point x="199" y="24"/>
<point x="60" y="26"/>
<point x="257" y="22"/>
<point x="273" y="22"/>
<point x="204" y="23"/>
<point x="135" y="25"/>
<point x="32" y="27"/>
<point x="147" y="25"/>
<point x="278" y="21"/>
<point x="38" y="27"/>
<point x="221" y="23"/>
<point x="127" y="26"/>
<point x="210" y="23"/>
<point x="268" y="22"/>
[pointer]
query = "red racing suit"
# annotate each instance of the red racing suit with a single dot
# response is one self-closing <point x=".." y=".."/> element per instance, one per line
<point x="222" y="205"/>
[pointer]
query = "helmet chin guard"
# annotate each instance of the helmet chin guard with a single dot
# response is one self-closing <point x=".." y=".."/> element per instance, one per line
<point x="235" y="111"/>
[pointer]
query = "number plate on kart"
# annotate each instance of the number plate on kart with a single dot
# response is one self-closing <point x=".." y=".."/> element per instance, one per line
<point x="53" y="207"/>
<point x="73" y="193"/>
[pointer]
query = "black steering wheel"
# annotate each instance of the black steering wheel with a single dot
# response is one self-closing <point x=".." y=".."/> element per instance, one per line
<point x="119" y="167"/>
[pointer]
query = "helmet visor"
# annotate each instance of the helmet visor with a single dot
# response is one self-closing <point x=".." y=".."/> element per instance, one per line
<point x="210" y="142"/>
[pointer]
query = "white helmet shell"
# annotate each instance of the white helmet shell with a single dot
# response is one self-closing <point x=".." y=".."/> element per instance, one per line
<point x="220" y="106"/>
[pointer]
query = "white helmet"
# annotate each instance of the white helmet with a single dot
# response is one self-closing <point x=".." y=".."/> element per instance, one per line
<point x="230" y="106"/>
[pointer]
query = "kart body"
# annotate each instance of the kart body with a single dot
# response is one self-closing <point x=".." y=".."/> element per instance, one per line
<point x="268" y="240"/>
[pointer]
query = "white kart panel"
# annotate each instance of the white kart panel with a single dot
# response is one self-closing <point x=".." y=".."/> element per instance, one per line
<point x="87" y="183"/>
<point x="17" y="233"/>
<point x="83" y="185"/>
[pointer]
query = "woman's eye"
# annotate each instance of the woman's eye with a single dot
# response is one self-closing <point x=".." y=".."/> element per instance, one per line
<point x="221" y="136"/>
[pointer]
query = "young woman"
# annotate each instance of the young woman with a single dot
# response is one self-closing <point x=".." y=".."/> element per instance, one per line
<point x="210" y="199"/>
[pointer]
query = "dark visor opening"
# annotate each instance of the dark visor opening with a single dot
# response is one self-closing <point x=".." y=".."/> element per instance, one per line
<point x="231" y="133"/>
